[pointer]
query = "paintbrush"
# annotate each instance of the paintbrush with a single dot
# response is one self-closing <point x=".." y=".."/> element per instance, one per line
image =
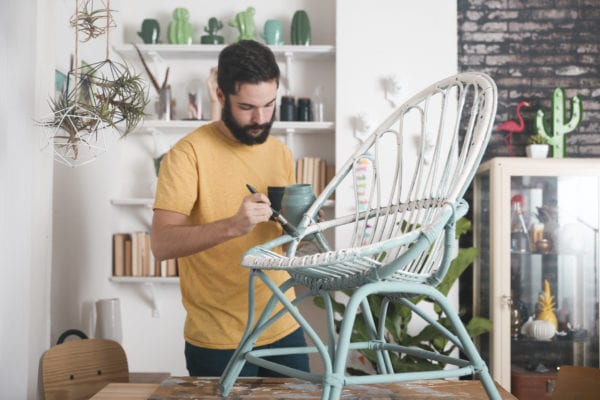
<point x="289" y="228"/>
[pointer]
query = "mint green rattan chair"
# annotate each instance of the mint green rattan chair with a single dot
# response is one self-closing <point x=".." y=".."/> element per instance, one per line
<point x="407" y="180"/>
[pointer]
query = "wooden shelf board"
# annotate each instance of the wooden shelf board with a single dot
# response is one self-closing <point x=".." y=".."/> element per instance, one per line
<point x="144" y="279"/>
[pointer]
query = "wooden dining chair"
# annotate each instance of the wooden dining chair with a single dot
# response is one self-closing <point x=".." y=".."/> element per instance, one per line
<point x="78" y="369"/>
<point x="407" y="181"/>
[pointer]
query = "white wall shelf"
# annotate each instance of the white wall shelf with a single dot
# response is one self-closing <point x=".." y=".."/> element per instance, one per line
<point x="148" y="202"/>
<point x="144" y="279"/>
<point x="133" y="201"/>
<point x="211" y="51"/>
<point x="279" y="127"/>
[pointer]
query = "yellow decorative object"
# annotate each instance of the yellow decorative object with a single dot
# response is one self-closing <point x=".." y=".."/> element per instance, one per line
<point x="546" y="306"/>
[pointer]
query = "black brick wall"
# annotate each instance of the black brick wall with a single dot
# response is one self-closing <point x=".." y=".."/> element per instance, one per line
<point x="530" y="47"/>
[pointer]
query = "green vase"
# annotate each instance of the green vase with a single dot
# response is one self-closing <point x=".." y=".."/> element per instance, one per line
<point x="300" y="28"/>
<point x="295" y="202"/>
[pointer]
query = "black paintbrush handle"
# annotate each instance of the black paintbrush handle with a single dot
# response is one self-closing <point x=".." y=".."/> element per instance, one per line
<point x="289" y="228"/>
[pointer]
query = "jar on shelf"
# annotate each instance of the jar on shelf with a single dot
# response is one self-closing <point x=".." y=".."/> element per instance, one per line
<point x="304" y="109"/>
<point x="287" y="109"/>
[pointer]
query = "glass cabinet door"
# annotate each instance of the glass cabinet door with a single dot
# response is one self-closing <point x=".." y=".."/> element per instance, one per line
<point x="537" y="277"/>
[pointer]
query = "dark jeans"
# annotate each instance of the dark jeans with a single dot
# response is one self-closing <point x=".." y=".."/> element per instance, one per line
<point x="201" y="361"/>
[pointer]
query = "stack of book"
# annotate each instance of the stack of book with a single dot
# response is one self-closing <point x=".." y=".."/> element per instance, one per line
<point x="316" y="171"/>
<point x="132" y="256"/>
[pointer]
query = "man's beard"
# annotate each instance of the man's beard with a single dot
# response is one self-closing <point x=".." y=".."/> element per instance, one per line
<point x="241" y="133"/>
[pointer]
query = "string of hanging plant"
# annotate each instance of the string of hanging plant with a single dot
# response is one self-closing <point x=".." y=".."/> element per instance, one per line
<point x="106" y="98"/>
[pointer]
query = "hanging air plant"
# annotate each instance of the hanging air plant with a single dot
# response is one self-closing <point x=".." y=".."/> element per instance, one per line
<point x="92" y="23"/>
<point x="106" y="100"/>
<point x="114" y="93"/>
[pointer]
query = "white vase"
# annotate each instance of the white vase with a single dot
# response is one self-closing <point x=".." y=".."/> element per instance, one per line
<point x="108" y="319"/>
<point x="537" y="150"/>
<point x="538" y="329"/>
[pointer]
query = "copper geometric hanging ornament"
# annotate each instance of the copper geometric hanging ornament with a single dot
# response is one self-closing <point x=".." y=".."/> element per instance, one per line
<point x="74" y="136"/>
<point x="106" y="101"/>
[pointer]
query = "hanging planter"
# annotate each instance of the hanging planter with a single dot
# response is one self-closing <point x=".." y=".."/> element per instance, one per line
<point x="114" y="93"/>
<point x="75" y="136"/>
<point x="106" y="101"/>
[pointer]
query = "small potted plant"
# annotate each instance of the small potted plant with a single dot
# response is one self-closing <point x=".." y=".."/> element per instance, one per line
<point x="537" y="146"/>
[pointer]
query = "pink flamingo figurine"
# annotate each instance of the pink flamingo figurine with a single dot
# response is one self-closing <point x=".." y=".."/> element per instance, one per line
<point x="511" y="127"/>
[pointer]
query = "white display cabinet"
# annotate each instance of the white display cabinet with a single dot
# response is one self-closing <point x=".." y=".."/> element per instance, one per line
<point x="561" y="204"/>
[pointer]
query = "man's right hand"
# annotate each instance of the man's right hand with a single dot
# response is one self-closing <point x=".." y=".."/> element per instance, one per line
<point x="255" y="208"/>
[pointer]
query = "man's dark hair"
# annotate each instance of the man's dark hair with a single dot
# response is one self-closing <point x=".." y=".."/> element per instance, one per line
<point x="246" y="61"/>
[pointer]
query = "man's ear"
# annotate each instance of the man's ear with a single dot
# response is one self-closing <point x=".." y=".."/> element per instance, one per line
<point x="220" y="96"/>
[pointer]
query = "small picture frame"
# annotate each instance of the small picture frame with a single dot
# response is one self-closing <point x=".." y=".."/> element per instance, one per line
<point x="60" y="84"/>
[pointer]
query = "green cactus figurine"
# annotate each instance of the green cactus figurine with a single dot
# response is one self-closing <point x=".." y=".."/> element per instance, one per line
<point x="244" y="22"/>
<point x="180" y="28"/>
<point x="558" y="140"/>
<point x="214" y="26"/>
<point x="300" y="28"/>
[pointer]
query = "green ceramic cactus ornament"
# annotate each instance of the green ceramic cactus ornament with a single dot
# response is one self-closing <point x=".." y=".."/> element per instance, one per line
<point x="300" y="34"/>
<point x="180" y="28"/>
<point x="244" y="22"/>
<point x="214" y="26"/>
<point x="557" y="137"/>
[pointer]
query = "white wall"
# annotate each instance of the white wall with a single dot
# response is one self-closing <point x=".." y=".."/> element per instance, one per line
<point x="413" y="40"/>
<point x="416" y="40"/>
<point x="25" y="196"/>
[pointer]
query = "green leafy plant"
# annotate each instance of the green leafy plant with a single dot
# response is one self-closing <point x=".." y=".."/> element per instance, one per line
<point x="399" y="317"/>
<point x="537" y="139"/>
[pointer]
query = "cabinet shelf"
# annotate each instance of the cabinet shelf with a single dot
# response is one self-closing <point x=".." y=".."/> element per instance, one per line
<point x="211" y="51"/>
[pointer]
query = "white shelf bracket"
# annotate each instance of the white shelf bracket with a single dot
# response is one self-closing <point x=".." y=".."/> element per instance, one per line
<point x="154" y="299"/>
<point x="159" y="65"/>
<point x="288" y="70"/>
<point x="289" y="137"/>
<point x="155" y="56"/>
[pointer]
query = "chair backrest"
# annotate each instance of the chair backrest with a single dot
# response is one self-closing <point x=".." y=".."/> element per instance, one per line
<point x="78" y="369"/>
<point x="415" y="166"/>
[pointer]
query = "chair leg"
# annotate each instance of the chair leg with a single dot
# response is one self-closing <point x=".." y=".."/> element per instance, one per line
<point x="468" y="346"/>
<point x="377" y="333"/>
<point x="237" y="360"/>
<point x="389" y="369"/>
<point x="336" y="380"/>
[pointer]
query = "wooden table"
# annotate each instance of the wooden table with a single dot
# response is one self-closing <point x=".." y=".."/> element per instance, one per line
<point x="126" y="391"/>
<point x="187" y="388"/>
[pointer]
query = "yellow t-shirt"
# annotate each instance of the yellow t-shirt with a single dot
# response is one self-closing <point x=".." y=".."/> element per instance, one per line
<point x="204" y="176"/>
